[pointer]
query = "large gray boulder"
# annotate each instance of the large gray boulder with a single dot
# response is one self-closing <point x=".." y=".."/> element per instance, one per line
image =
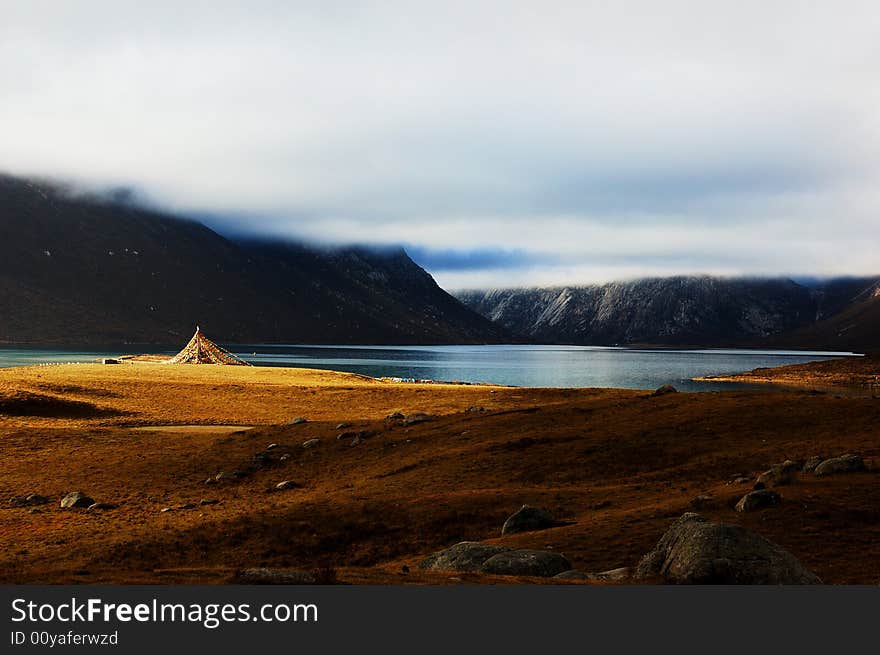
<point x="696" y="551"/>
<point x="842" y="464"/>
<point x="540" y="563"/>
<point x="464" y="556"/>
<point x="527" y="519"/>
<point x="76" y="499"/>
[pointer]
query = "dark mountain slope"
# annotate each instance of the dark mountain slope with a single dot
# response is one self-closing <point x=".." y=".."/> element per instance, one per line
<point x="856" y="327"/>
<point x="85" y="270"/>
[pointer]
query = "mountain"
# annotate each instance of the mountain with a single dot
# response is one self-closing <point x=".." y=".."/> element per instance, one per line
<point x="855" y="327"/>
<point x="676" y="311"/>
<point x="82" y="269"/>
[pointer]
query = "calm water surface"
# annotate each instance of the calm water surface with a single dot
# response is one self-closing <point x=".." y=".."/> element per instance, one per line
<point x="533" y="366"/>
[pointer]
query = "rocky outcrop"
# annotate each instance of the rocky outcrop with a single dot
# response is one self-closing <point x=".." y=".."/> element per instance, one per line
<point x="464" y="556"/>
<point x="528" y="519"/>
<point x="758" y="500"/>
<point x="538" y="563"/>
<point x="696" y="551"/>
<point x="842" y="464"/>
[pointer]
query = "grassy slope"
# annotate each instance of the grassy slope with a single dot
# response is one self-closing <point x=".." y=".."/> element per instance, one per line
<point x="618" y="463"/>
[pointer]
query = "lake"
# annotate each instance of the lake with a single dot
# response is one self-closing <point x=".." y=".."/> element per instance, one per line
<point x="517" y="365"/>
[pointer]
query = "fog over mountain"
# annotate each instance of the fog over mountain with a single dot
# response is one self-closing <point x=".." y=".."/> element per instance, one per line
<point x="506" y="143"/>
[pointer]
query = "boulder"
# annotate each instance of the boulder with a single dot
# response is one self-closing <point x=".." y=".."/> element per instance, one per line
<point x="842" y="464"/>
<point x="464" y="556"/>
<point x="102" y="507"/>
<point x="573" y="574"/>
<point x="538" y="563"/>
<point x="696" y="551"/>
<point x="811" y="464"/>
<point x="780" y="475"/>
<point x="665" y="389"/>
<point x="760" y="499"/>
<point x="76" y="499"/>
<point x="274" y="576"/>
<point x="28" y="501"/>
<point x="528" y="519"/>
<point x="614" y="575"/>
<point x="415" y="419"/>
<point x="704" y="501"/>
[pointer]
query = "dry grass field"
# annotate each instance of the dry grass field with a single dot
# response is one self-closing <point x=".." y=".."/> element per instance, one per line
<point x="618" y="465"/>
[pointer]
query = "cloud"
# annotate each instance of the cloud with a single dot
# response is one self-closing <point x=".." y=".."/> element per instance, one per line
<point x="506" y="143"/>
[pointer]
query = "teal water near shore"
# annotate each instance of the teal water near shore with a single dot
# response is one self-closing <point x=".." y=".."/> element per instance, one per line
<point x="516" y="365"/>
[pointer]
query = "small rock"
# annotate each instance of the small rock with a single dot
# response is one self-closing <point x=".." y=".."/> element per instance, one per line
<point x="573" y="574"/>
<point x="540" y="563"/>
<point x="102" y="507"/>
<point x="758" y="500"/>
<point x="474" y="409"/>
<point x="742" y="480"/>
<point x="811" y="464"/>
<point x="299" y="420"/>
<point x="76" y="499"/>
<point x="208" y="501"/>
<point x="346" y="435"/>
<point x="842" y="464"/>
<point x="394" y="416"/>
<point x="187" y="506"/>
<point x="287" y="484"/>
<point x="464" y="556"/>
<point x="272" y="446"/>
<point x="665" y="389"/>
<point x="343" y="426"/>
<point x="357" y="441"/>
<point x="166" y="509"/>
<point x="35" y="510"/>
<point x="696" y="551"/>
<point x="703" y="501"/>
<point x="284" y="457"/>
<point x="780" y="474"/>
<point x="528" y="519"/>
<point x="274" y="576"/>
<point x="311" y="443"/>
<point x="28" y="501"/>
<point x="415" y="419"/>
<point x="617" y="574"/>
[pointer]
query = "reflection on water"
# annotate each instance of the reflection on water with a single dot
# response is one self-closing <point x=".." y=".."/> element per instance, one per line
<point x="536" y="366"/>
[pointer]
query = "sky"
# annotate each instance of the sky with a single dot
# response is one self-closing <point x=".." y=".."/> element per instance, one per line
<point x="502" y="143"/>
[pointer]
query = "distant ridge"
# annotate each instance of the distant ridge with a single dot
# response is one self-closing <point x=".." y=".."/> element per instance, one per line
<point x="85" y="270"/>
<point x="841" y="314"/>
